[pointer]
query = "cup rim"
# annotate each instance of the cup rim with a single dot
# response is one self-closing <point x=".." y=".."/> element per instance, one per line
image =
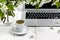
<point x="20" y="21"/>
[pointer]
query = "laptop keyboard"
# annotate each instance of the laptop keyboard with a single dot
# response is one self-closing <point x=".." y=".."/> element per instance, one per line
<point x="30" y="15"/>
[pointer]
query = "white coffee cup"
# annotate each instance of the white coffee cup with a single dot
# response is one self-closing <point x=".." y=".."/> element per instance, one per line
<point x="19" y="25"/>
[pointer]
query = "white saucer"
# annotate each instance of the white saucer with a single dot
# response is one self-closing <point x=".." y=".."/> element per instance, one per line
<point x="24" y="31"/>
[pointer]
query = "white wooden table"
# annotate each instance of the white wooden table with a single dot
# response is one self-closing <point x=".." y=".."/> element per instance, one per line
<point x="35" y="33"/>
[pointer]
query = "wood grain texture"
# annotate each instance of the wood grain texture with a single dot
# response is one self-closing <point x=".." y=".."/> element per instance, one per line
<point x="45" y="33"/>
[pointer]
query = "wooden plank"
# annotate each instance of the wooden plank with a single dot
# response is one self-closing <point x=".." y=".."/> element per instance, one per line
<point x="5" y="35"/>
<point x="45" y="33"/>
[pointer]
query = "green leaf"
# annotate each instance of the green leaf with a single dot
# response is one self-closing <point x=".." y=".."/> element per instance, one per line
<point x="13" y="14"/>
<point x="1" y="6"/>
<point x="10" y="6"/>
<point x="33" y="1"/>
<point x="54" y="0"/>
<point x="37" y="6"/>
<point x="58" y="4"/>
<point x="10" y="13"/>
<point x="40" y="1"/>
<point x="15" y="4"/>
<point x="1" y="14"/>
<point x="2" y="1"/>
<point x="21" y="0"/>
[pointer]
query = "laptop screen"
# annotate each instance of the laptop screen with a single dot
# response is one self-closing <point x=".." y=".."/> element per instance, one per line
<point x="44" y="6"/>
<point x="47" y="11"/>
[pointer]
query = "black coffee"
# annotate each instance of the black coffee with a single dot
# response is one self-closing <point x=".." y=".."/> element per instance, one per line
<point x="20" y="21"/>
